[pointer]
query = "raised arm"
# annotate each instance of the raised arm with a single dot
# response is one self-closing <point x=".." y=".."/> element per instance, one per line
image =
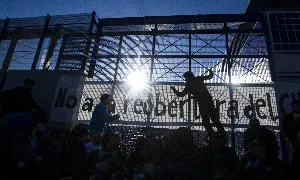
<point x="210" y="76"/>
<point x="179" y="94"/>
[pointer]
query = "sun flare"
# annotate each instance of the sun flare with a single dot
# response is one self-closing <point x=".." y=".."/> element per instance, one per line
<point x="137" y="81"/>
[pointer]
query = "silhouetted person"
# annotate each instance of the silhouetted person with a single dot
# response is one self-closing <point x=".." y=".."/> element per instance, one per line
<point x="30" y="162"/>
<point x="254" y="129"/>
<point x="220" y="160"/>
<point x="291" y="123"/>
<point x="18" y="108"/>
<point x="291" y="130"/>
<point x="261" y="161"/>
<point x="101" y="115"/>
<point x="19" y="100"/>
<point x="195" y="85"/>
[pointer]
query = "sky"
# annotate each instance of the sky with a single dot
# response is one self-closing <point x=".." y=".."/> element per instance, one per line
<point x="119" y="8"/>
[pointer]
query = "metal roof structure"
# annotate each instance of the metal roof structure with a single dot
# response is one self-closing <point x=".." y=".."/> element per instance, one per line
<point x="234" y="46"/>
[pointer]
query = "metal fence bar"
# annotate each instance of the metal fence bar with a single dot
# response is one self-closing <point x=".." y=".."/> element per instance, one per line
<point x="41" y="41"/>
<point x="11" y="49"/>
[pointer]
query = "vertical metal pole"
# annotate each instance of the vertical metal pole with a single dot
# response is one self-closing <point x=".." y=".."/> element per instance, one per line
<point x="229" y="64"/>
<point x="267" y="33"/>
<point x="95" y="51"/>
<point x="190" y="52"/>
<point x="87" y="47"/>
<point x="2" y="35"/>
<point x="154" y="31"/>
<point x="190" y="69"/>
<point x="53" y="42"/>
<point x="117" y="67"/>
<point x="11" y="49"/>
<point x="4" y="29"/>
<point x="153" y="50"/>
<point x="41" y="41"/>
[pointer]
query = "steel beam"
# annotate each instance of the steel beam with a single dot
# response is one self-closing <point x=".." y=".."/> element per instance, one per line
<point x="229" y="65"/>
<point x="61" y="52"/>
<point x="4" y="29"/>
<point x="89" y="40"/>
<point x="152" y="62"/>
<point x="181" y="19"/>
<point x="11" y="50"/>
<point x="53" y="42"/>
<point x="117" y="66"/>
<point x="160" y="32"/>
<point x="95" y="52"/>
<point x="182" y="56"/>
<point x="41" y="41"/>
<point x="152" y="56"/>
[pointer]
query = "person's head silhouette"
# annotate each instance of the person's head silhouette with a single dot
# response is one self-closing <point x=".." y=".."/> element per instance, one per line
<point x="188" y="76"/>
<point x="105" y="98"/>
<point x="29" y="84"/>
<point x="296" y="106"/>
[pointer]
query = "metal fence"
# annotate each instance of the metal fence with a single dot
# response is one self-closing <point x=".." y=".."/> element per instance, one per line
<point x="163" y="48"/>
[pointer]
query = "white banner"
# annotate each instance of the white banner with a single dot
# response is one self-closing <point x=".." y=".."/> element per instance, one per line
<point x="161" y="107"/>
<point x="66" y="101"/>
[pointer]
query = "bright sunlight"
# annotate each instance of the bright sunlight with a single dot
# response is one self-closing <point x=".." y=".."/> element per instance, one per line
<point x="137" y="80"/>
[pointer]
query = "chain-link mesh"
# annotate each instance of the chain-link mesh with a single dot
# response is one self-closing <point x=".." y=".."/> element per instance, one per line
<point x="235" y="51"/>
<point x="29" y="31"/>
<point x="164" y="57"/>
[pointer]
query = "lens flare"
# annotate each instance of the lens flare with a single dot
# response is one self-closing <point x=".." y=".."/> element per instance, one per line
<point x="137" y="81"/>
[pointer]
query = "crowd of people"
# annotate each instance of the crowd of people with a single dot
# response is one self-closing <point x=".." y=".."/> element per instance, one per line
<point x="63" y="154"/>
<point x="29" y="150"/>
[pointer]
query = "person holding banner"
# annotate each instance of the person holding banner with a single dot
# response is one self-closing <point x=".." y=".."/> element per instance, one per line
<point x="195" y="86"/>
<point x="102" y="115"/>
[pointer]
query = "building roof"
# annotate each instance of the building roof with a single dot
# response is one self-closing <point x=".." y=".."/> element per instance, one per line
<point x="258" y="6"/>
